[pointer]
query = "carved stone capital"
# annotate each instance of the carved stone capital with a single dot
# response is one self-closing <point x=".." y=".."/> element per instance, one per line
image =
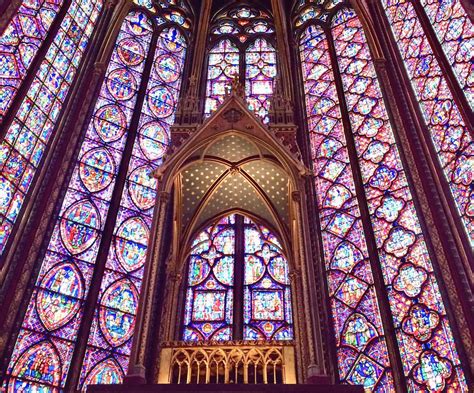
<point x="296" y="196"/>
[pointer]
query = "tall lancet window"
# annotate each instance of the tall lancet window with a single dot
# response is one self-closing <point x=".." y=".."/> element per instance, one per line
<point x="242" y="46"/>
<point x="82" y="291"/>
<point x="238" y="284"/>
<point x="28" y="127"/>
<point x="446" y="102"/>
<point x="370" y="227"/>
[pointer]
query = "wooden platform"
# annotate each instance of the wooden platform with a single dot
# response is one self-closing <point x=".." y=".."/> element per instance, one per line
<point x="171" y="388"/>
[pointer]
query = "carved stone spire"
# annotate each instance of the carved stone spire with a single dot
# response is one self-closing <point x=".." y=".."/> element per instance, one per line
<point x="188" y="115"/>
<point x="187" y="112"/>
<point x="282" y="121"/>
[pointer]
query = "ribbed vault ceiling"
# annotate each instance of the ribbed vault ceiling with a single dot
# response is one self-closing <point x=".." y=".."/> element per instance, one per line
<point x="233" y="173"/>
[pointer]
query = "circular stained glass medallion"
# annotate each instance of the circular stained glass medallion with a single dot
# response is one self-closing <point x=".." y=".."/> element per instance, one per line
<point x="107" y="372"/>
<point x="116" y="314"/>
<point x="79" y="226"/>
<point x="130" y="243"/>
<point x="121" y="84"/>
<point x="161" y="102"/>
<point x="110" y="123"/>
<point x="57" y="303"/>
<point x="153" y="140"/>
<point x="172" y="39"/>
<point x="142" y="187"/>
<point x="39" y="363"/>
<point x="139" y="24"/>
<point x="167" y="69"/>
<point x="130" y="51"/>
<point x="96" y="169"/>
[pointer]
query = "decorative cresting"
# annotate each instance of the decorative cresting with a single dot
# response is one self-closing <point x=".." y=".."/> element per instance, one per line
<point x="247" y="362"/>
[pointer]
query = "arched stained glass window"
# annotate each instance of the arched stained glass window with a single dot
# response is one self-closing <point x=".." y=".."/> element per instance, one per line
<point x="451" y="136"/>
<point x="32" y="128"/>
<point x="359" y="169"/>
<point x="236" y="269"/>
<point x="20" y="43"/>
<point x="242" y="46"/>
<point x="127" y="133"/>
<point x="110" y="337"/>
<point x="354" y="304"/>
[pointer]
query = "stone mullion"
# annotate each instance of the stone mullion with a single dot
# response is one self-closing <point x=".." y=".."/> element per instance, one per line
<point x="197" y="69"/>
<point x="446" y="68"/>
<point x="282" y="48"/>
<point x="34" y="67"/>
<point x="379" y="282"/>
<point x="239" y="278"/>
<point x="421" y="158"/>
<point x="137" y="370"/>
<point x="109" y="227"/>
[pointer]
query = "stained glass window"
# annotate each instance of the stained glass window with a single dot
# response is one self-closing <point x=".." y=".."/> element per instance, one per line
<point x="217" y="265"/>
<point x="19" y="45"/>
<point x="223" y="67"/>
<point x="46" y="343"/>
<point x="356" y="315"/>
<point x="110" y="337"/>
<point x="243" y="48"/>
<point x="260" y="71"/>
<point x="451" y="137"/>
<point x="455" y="33"/>
<point x="30" y="133"/>
<point x="422" y="330"/>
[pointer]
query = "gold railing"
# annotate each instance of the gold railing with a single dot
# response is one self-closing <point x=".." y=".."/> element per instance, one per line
<point x="231" y="362"/>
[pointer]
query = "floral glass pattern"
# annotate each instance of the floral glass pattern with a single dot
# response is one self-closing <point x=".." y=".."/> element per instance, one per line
<point x="260" y="71"/>
<point x="223" y="67"/>
<point x="455" y="33"/>
<point x="31" y="131"/>
<point x="211" y="295"/>
<point x="451" y="137"/>
<point x="110" y="339"/>
<point x="19" y="45"/>
<point x="423" y="332"/>
<point x="356" y="316"/>
<point x="242" y="48"/>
